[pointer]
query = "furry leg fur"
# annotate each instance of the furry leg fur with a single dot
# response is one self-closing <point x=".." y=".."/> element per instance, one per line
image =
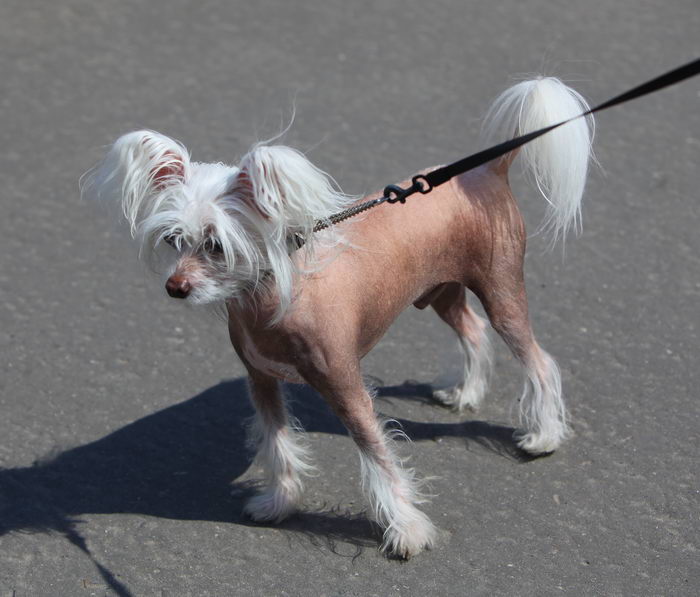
<point x="543" y="415"/>
<point x="392" y="490"/>
<point x="284" y="459"/>
<point x="452" y="307"/>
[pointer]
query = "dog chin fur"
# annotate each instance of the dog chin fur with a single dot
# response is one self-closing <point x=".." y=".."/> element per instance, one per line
<point x="223" y="230"/>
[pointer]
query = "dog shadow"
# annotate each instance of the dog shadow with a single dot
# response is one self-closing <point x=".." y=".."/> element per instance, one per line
<point x="178" y="463"/>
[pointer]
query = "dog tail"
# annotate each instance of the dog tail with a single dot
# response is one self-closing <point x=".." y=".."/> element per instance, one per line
<point x="558" y="161"/>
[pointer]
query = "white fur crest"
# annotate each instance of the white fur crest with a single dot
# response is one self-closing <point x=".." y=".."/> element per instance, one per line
<point x="231" y="222"/>
<point x="291" y="195"/>
<point x="289" y="189"/>
<point x="139" y="166"/>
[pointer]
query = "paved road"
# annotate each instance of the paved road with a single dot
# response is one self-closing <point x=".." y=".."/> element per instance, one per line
<point x="122" y="413"/>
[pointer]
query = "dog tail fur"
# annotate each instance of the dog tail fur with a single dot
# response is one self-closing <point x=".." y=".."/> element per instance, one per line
<point x="558" y="161"/>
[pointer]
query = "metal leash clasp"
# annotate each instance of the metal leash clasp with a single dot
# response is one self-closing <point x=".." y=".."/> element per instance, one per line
<point x="393" y="193"/>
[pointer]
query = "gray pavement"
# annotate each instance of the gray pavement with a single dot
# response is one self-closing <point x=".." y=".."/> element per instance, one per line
<point x="123" y="467"/>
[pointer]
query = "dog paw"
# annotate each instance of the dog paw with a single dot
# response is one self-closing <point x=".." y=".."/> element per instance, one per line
<point x="457" y="399"/>
<point x="410" y="539"/>
<point x="270" y="506"/>
<point x="537" y="444"/>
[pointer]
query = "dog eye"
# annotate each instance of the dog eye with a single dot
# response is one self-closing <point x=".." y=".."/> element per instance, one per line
<point x="213" y="246"/>
<point x="171" y="239"/>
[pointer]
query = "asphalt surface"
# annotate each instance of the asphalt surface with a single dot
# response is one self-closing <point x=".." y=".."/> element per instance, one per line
<point x="123" y="466"/>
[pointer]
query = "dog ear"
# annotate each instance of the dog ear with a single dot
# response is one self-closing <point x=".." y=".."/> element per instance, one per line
<point x="286" y="188"/>
<point x="138" y="168"/>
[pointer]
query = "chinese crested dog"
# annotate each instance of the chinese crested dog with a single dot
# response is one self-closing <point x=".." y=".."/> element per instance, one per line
<point x="230" y="236"/>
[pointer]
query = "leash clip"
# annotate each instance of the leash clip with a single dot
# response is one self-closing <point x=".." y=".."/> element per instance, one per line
<point x="393" y="193"/>
<point x="422" y="183"/>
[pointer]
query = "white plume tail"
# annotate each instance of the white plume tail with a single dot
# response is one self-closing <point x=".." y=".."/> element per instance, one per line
<point x="558" y="160"/>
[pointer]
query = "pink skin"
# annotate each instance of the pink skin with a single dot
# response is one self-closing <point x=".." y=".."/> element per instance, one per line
<point x="466" y="234"/>
<point x="451" y="305"/>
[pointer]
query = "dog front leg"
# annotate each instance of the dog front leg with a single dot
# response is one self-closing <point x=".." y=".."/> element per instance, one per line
<point x="392" y="490"/>
<point x="284" y="459"/>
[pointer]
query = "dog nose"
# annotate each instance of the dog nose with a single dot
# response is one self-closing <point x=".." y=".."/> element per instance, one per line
<point x="178" y="287"/>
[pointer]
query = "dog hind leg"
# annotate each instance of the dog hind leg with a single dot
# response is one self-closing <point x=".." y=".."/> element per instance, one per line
<point x="451" y="305"/>
<point x="542" y="413"/>
<point x="279" y="451"/>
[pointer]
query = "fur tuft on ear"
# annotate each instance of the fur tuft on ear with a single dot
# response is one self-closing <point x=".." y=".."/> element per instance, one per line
<point x="288" y="189"/>
<point x="290" y="195"/>
<point x="138" y="171"/>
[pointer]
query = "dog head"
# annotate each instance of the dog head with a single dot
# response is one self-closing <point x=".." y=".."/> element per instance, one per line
<point x="221" y="229"/>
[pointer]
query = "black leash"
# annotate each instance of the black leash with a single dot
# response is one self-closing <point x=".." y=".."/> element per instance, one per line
<point x="424" y="183"/>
